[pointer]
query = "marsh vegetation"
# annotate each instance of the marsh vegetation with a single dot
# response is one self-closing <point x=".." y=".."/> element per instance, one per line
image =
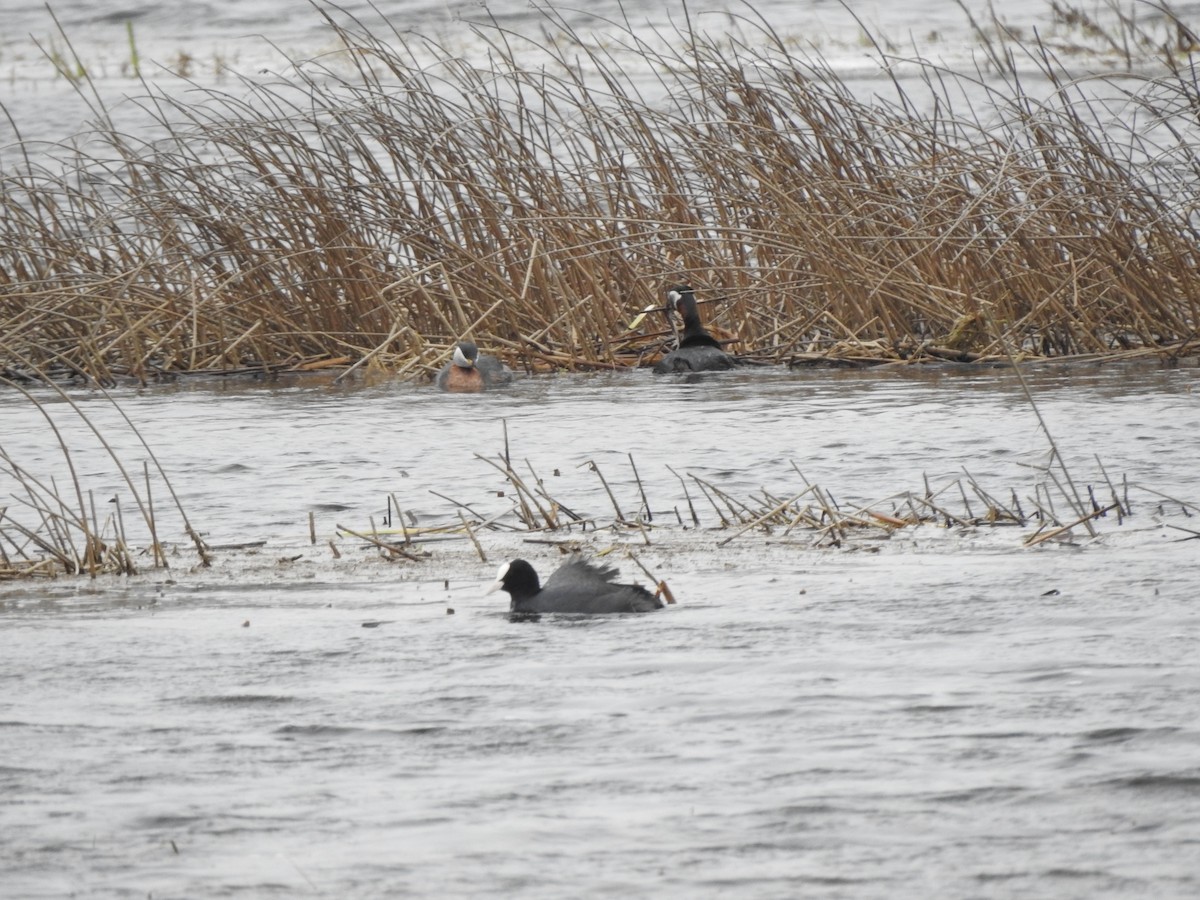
<point x="391" y="197"/>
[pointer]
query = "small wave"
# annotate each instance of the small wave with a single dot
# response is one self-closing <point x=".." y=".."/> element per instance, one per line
<point x="986" y="877"/>
<point x="232" y="467"/>
<point x="291" y="655"/>
<point x="243" y="700"/>
<point x="800" y="810"/>
<point x="343" y="730"/>
<point x="15" y="770"/>
<point x="1158" y="783"/>
<point x="1056" y="675"/>
<point x="1074" y="873"/>
<point x="990" y="794"/>
<point x="743" y="884"/>
<point x="1119" y="735"/>
<point x="316" y="730"/>
<point x="167" y="820"/>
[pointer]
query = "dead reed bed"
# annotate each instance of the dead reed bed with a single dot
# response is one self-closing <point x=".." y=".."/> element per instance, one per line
<point x="393" y="196"/>
<point x="616" y="509"/>
<point x="52" y="526"/>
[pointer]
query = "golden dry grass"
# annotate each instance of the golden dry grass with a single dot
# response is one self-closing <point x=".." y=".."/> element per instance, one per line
<point x="394" y="197"/>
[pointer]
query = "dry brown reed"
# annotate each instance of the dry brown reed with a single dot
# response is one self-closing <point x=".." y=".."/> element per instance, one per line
<point x="53" y="529"/>
<point x="805" y="514"/>
<point x="393" y="197"/>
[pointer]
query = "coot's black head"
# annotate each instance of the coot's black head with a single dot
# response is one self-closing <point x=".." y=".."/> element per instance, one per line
<point x="518" y="578"/>
<point x="465" y="354"/>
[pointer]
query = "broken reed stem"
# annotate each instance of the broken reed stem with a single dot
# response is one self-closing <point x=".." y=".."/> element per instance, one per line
<point x="1182" y="504"/>
<point x="641" y="527"/>
<point x="160" y="558"/>
<point x="390" y="549"/>
<point x="1193" y="533"/>
<point x="93" y="552"/>
<point x="130" y="566"/>
<point x="4" y="560"/>
<point x="1038" y="538"/>
<point x="687" y="496"/>
<point x="548" y="520"/>
<point x="556" y="506"/>
<point x="943" y="513"/>
<point x="523" y="492"/>
<point x="471" y="535"/>
<point x="489" y="523"/>
<point x="525" y="513"/>
<point x="767" y="515"/>
<point x="1072" y="497"/>
<point x="400" y="518"/>
<point x="962" y="491"/>
<point x="704" y="490"/>
<point x="659" y="585"/>
<point x="1046" y="511"/>
<point x="641" y="490"/>
<point x="995" y="507"/>
<point x="591" y="464"/>
<point x="1121" y="510"/>
<point x="737" y="509"/>
<point x="539" y="488"/>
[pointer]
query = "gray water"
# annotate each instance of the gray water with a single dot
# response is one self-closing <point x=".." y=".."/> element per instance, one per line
<point x="942" y="712"/>
<point x="231" y="48"/>
<point x="934" y="712"/>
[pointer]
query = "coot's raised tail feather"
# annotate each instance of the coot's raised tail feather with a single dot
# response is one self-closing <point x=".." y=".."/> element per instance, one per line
<point x="471" y="372"/>
<point x="576" y="587"/>
<point x="698" y="350"/>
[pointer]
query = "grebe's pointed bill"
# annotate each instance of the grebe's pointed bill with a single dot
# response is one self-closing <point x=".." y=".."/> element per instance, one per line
<point x="498" y="584"/>
<point x="465" y="354"/>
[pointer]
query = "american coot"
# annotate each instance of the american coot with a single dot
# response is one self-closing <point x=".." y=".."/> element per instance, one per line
<point x="470" y="371"/>
<point x="577" y="587"/>
<point x="698" y="350"/>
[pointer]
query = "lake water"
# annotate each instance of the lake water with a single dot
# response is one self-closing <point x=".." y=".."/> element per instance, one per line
<point x="934" y="712"/>
<point x="929" y="711"/>
<point x="228" y="46"/>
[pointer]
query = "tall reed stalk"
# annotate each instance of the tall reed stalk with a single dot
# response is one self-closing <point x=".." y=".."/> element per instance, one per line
<point x="50" y="529"/>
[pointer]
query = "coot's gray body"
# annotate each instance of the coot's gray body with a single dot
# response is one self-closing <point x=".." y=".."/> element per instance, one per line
<point x="576" y="587"/>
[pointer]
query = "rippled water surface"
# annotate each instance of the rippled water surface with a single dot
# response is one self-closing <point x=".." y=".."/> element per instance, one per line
<point x="202" y="51"/>
<point x="939" y="713"/>
<point x="931" y="713"/>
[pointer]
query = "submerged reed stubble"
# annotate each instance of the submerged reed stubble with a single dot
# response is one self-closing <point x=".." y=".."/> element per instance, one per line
<point x="394" y="197"/>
